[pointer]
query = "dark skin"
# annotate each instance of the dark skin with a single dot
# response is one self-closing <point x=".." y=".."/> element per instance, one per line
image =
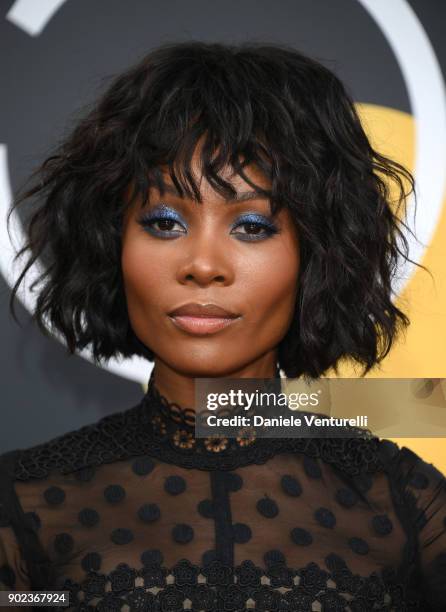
<point x="207" y="262"/>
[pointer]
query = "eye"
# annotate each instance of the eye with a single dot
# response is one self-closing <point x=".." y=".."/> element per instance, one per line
<point x="159" y="225"/>
<point x="257" y="228"/>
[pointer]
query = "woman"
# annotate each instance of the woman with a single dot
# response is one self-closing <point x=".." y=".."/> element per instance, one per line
<point x="237" y="183"/>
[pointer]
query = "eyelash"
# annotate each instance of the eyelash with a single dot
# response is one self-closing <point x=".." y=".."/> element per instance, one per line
<point x="147" y="221"/>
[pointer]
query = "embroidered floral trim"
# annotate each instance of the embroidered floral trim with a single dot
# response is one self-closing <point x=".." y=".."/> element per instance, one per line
<point x="172" y="421"/>
<point x="216" y="443"/>
<point x="130" y="434"/>
<point x="123" y="435"/>
<point x="158" y="425"/>
<point x="183" y="439"/>
<point x="218" y="587"/>
<point x="247" y="436"/>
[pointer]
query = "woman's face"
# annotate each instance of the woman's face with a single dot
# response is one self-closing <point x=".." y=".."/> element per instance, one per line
<point x="230" y="253"/>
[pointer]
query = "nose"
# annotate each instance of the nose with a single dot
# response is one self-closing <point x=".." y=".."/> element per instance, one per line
<point x="206" y="260"/>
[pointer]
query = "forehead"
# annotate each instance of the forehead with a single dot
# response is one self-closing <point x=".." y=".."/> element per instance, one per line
<point x="177" y="183"/>
<point x="206" y="173"/>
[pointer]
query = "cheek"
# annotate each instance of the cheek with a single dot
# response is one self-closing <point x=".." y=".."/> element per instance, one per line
<point x="140" y="271"/>
<point x="272" y="287"/>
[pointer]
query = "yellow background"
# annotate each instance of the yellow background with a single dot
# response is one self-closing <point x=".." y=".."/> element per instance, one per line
<point x="421" y="352"/>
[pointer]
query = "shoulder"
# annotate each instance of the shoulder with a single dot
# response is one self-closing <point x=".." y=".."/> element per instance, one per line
<point x="418" y="489"/>
<point x="420" y="492"/>
<point x="108" y="439"/>
<point x="409" y="467"/>
<point x="401" y="461"/>
<point x="371" y="454"/>
<point x="357" y="454"/>
<point x="410" y="475"/>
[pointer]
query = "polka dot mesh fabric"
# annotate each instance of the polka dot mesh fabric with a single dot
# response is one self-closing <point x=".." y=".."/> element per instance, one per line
<point x="129" y="514"/>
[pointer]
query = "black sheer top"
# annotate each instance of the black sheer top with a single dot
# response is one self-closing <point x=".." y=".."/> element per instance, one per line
<point x="134" y="513"/>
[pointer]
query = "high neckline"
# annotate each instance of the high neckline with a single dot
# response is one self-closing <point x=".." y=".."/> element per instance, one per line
<point x="171" y="411"/>
<point x="171" y="431"/>
<point x="175" y="425"/>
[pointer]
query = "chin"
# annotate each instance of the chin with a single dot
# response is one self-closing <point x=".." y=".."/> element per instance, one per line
<point x="202" y="368"/>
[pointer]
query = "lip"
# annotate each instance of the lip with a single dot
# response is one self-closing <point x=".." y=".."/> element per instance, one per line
<point x="202" y="319"/>
<point x="193" y="309"/>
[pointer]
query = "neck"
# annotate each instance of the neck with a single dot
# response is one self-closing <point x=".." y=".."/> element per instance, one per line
<point x="180" y="388"/>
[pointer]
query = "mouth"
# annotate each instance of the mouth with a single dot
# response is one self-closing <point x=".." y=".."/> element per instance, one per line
<point x="200" y="325"/>
<point x="201" y="319"/>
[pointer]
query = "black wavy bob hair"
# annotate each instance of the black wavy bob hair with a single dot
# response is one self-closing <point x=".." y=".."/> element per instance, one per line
<point x="253" y="103"/>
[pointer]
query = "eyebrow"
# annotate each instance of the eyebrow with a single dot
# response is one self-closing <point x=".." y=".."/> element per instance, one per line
<point x="243" y="196"/>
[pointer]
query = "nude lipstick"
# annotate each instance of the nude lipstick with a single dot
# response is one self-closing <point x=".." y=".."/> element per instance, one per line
<point x="202" y="319"/>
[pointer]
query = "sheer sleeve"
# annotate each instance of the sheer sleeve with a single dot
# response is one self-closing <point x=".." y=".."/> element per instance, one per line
<point x="13" y="567"/>
<point x="424" y="489"/>
<point x="11" y="574"/>
<point x="7" y="574"/>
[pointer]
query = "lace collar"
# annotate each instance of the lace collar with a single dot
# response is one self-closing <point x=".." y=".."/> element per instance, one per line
<point x="172" y="430"/>
<point x="175" y="425"/>
<point x="158" y="428"/>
